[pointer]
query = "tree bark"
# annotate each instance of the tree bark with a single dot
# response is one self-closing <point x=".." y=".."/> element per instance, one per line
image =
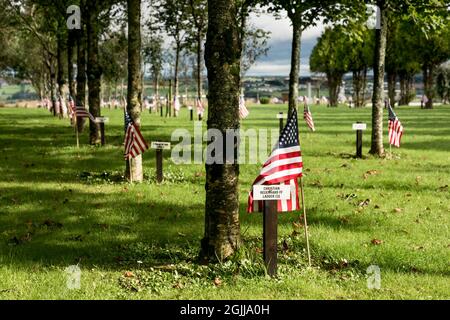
<point x="428" y="80"/>
<point x="199" y="65"/>
<point x="334" y="82"/>
<point x="134" y="79"/>
<point x="175" y="83"/>
<point x="60" y="72"/>
<point x="377" y="147"/>
<point x="94" y="71"/>
<point x="295" y="63"/>
<point x="222" y="56"/>
<point x="392" y="79"/>
<point x="70" y="69"/>
<point x="81" y="74"/>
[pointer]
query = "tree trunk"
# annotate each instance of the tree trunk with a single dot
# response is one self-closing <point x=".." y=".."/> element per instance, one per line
<point x="94" y="71"/>
<point x="358" y="90"/>
<point x="392" y="79"/>
<point x="175" y="83"/>
<point x="334" y="82"/>
<point x="81" y="74"/>
<point x="199" y="64"/>
<point x="377" y="147"/>
<point x="60" y="73"/>
<point x="295" y="64"/>
<point x="222" y="56"/>
<point x="134" y="79"/>
<point x="70" y="69"/>
<point x="428" y="81"/>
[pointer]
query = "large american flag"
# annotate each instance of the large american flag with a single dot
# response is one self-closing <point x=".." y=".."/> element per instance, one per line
<point x="135" y="143"/>
<point x="243" y="111"/>
<point x="283" y="167"/>
<point x="395" y="128"/>
<point x="308" y="118"/>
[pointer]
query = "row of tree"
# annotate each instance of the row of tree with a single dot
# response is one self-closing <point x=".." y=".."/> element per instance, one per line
<point x="409" y="51"/>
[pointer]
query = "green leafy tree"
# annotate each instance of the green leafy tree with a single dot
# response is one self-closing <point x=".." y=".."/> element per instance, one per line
<point x="330" y="56"/>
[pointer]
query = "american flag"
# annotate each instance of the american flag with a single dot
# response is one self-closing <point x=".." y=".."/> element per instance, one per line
<point x="395" y="128"/>
<point x="200" y="108"/>
<point x="283" y="167"/>
<point x="308" y="118"/>
<point x="80" y="111"/>
<point x="135" y="143"/>
<point x="243" y="111"/>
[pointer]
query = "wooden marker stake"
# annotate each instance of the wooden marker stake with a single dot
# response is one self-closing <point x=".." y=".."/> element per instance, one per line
<point x="192" y="114"/>
<point x="359" y="134"/>
<point x="159" y="165"/>
<point x="270" y="222"/>
<point x="102" y="130"/>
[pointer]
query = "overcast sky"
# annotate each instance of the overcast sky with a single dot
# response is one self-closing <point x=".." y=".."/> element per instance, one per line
<point x="277" y="61"/>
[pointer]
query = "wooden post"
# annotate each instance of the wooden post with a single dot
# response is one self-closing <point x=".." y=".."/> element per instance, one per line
<point x="159" y="165"/>
<point x="359" y="143"/>
<point x="161" y="109"/>
<point x="102" y="130"/>
<point x="76" y="130"/>
<point x="270" y="222"/>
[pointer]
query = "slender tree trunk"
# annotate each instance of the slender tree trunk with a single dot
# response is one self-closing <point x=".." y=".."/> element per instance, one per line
<point x="70" y="69"/>
<point x="334" y="82"/>
<point x="94" y="71"/>
<point x="295" y="64"/>
<point x="222" y="56"/>
<point x="199" y="64"/>
<point x="428" y="80"/>
<point x="176" y="77"/>
<point x="134" y="79"/>
<point x="81" y="74"/>
<point x="60" y="73"/>
<point x="377" y="147"/>
<point x="358" y="90"/>
<point x="392" y="79"/>
<point x="403" y="89"/>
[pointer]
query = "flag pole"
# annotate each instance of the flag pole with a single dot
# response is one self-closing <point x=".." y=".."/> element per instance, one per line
<point x="306" y="223"/>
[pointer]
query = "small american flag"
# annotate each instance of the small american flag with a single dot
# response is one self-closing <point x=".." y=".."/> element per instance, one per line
<point x="283" y="167"/>
<point x="395" y="128"/>
<point x="200" y="108"/>
<point x="135" y="143"/>
<point x="243" y="111"/>
<point x="308" y="118"/>
<point x="80" y="111"/>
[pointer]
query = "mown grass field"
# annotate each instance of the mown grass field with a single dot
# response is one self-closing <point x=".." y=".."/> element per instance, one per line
<point x="60" y="206"/>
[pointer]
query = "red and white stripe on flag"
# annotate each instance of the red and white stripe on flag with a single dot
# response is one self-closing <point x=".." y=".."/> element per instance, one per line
<point x="135" y="143"/>
<point x="284" y="166"/>
<point x="308" y="119"/>
<point x="243" y="111"/>
<point x="395" y="132"/>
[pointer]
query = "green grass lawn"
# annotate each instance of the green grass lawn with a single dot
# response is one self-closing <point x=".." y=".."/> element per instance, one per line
<point x="60" y="206"/>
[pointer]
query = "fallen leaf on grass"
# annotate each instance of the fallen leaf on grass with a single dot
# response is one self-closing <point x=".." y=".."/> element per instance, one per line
<point x="259" y="250"/>
<point x="398" y="210"/>
<point x="128" y="274"/>
<point x="178" y="285"/>
<point x="376" y="241"/>
<point x="370" y="173"/>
